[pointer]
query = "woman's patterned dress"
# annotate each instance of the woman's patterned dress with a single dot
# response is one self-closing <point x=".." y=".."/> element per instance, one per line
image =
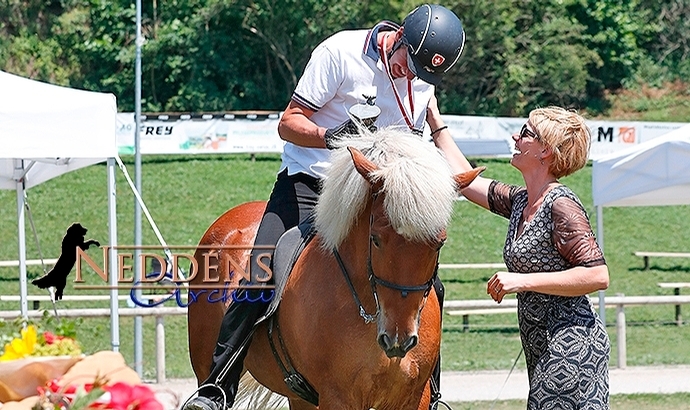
<point x="566" y="346"/>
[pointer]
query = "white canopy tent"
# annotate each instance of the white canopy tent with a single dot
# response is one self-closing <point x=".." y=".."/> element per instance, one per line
<point x="656" y="172"/>
<point x="46" y="131"/>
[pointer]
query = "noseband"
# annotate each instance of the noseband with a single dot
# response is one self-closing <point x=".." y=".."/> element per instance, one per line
<point x="375" y="280"/>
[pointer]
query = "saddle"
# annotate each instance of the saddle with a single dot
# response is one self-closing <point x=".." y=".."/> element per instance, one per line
<point x="287" y="251"/>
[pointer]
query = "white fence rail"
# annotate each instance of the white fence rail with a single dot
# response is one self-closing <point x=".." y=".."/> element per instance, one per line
<point x="468" y="307"/>
<point x="15" y="263"/>
<point x="462" y="307"/>
<point x="497" y="265"/>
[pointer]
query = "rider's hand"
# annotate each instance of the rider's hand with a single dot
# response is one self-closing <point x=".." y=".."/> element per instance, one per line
<point x="346" y="129"/>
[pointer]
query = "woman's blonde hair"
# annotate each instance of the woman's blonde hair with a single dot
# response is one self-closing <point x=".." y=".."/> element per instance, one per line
<point x="567" y="134"/>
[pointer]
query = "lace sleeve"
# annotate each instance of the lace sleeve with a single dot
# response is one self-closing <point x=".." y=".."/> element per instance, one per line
<point x="573" y="236"/>
<point x="501" y="196"/>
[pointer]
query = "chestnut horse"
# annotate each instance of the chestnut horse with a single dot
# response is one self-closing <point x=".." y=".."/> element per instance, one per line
<point x="384" y="209"/>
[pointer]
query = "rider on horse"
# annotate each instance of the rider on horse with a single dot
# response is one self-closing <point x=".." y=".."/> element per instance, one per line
<point x="397" y="67"/>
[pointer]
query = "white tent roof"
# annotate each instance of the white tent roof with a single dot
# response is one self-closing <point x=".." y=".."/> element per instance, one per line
<point x="656" y="172"/>
<point x="54" y="129"/>
<point x="46" y="131"/>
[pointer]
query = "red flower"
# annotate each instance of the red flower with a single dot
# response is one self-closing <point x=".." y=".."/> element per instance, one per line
<point x="49" y="337"/>
<point x="126" y="397"/>
<point x="68" y="392"/>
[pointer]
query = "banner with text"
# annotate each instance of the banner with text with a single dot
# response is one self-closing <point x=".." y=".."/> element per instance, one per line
<point x="251" y="133"/>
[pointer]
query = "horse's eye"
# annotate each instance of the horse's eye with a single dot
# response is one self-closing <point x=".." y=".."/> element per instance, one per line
<point x="375" y="240"/>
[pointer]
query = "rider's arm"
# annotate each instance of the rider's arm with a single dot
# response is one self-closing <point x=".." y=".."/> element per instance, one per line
<point x="318" y="85"/>
<point x="296" y="127"/>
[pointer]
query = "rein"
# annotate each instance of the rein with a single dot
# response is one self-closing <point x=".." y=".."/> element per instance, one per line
<point x="368" y="318"/>
<point x="374" y="280"/>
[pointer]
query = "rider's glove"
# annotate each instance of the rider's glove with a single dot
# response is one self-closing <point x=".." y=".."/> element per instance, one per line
<point x="344" y="130"/>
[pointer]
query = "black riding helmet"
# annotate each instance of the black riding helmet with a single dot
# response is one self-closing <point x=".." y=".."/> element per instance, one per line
<point x="435" y="39"/>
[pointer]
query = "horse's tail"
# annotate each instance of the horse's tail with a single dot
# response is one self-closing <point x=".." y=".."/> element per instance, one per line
<point x="254" y="396"/>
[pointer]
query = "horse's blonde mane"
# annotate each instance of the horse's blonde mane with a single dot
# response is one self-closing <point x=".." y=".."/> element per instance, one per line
<point x="417" y="182"/>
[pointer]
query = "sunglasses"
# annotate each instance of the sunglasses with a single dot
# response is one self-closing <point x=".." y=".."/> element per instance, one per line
<point x="526" y="132"/>
<point x="408" y="52"/>
<point x="410" y="63"/>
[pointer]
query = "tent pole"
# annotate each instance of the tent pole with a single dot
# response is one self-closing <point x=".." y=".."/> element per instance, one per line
<point x="21" y="239"/>
<point x="138" y="269"/>
<point x="600" y="240"/>
<point x="112" y="258"/>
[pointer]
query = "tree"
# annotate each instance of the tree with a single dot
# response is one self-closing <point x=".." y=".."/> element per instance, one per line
<point x="217" y="55"/>
<point x="519" y="55"/>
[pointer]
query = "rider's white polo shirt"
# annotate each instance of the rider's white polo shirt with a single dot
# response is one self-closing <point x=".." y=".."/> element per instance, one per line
<point x="341" y="69"/>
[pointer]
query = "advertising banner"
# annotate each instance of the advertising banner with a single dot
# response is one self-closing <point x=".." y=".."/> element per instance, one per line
<point x="200" y="135"/>
<point x="258" y="133"/>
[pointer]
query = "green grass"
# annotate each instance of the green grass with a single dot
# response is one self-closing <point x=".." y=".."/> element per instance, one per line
<point x="186" y="193"/>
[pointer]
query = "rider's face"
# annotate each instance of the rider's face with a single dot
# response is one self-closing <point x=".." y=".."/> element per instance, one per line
<point x="400" y="64"/>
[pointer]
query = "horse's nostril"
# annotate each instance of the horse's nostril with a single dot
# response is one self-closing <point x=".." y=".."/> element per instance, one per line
<point x="393" y="349"/>
<point x="385" y="342"/>
<point x="410" y="343"/>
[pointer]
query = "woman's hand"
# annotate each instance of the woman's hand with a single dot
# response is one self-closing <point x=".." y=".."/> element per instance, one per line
<point x="433" y="116"/>
<point x="503" y="283"/>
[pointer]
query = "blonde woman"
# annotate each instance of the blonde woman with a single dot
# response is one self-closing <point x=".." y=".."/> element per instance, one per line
<point x="552" y="257"/>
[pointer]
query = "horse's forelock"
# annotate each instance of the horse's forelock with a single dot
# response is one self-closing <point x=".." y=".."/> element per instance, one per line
<point x="419" y="199"/>
<point x="418" y="187"/>
<point x="342" y="198"/>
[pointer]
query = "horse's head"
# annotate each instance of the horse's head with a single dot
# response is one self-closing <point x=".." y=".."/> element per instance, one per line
<point x="401" y="272"/>
<point x="397" y="203"/>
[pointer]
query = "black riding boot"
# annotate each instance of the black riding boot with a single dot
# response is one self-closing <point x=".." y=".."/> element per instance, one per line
<point x="436" y="373"/>
<point x="233" y="341"/>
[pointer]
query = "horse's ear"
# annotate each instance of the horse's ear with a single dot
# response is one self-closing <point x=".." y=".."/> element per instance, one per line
<point x="362" y="164"/>
<point x="464" y="179"/>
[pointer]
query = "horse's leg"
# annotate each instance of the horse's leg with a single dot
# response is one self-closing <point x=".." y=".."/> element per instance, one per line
<point x="336" y="402"/>
<point x="264" y="368"/>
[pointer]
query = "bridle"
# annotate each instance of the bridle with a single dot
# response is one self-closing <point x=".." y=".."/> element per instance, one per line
<point x="375" y="280"/>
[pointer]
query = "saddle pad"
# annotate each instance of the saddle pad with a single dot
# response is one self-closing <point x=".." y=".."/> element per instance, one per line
<point x="287" y="250"/>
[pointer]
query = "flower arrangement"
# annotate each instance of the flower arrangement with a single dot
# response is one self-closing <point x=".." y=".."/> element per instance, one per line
<point x="99" y="381"/>
<point x="97" y="396"/>
<point x="31" y="342"/>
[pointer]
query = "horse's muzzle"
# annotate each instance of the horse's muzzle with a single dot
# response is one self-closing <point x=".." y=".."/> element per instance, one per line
<point x="393" y="348"/>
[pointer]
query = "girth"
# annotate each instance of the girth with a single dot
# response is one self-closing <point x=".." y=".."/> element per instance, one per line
<point x="297" y="383"/>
